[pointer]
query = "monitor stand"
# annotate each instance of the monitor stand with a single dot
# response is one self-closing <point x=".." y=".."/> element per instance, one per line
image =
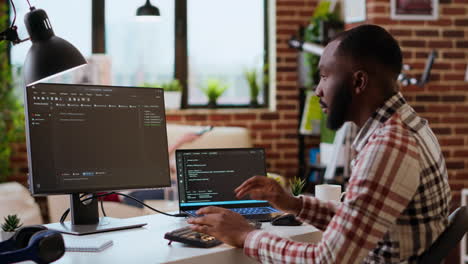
<point x="85" y="219"/>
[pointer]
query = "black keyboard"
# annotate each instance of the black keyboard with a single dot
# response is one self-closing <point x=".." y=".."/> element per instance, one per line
<point x="192" y="238"/>
<point x="188" y="236"/>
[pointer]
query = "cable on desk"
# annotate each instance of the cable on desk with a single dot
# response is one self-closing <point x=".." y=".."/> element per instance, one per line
<point x="102" y="207"/>
<point x="65" y="214"/>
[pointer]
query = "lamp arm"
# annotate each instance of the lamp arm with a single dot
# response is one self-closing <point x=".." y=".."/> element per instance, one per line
<point x="11" y="34"/>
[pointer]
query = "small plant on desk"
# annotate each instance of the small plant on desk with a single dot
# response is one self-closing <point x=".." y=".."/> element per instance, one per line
<point x="12" y="223"/>
<point x="296" y="184"/>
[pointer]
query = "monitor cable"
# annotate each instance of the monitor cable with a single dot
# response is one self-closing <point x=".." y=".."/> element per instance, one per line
<point x="65" y="214"/>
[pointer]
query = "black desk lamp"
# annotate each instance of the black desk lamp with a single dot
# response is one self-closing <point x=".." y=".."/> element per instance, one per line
<point x="49" y="55"/>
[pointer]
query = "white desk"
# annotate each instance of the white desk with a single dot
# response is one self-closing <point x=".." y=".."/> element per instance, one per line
<point x="147" y="244"/>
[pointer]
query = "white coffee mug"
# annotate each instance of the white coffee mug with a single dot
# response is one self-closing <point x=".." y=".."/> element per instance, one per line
<point x="329" y="192"/>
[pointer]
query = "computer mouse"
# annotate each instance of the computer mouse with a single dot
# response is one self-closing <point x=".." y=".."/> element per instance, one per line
<point x="286" y="220"/>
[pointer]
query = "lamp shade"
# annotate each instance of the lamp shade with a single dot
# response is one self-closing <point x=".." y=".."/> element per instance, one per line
<point x="49" y="55"/>
<point x="148" y="10"/>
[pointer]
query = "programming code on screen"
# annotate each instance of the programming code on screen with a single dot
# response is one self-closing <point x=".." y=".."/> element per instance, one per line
<point x="212" y="176"/>
<point x="84" y="137"/>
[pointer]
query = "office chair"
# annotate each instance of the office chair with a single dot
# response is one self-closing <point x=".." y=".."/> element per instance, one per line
<point x="458" y="226"/>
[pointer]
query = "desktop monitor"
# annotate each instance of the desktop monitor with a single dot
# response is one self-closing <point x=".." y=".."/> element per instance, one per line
<point x="88" y="138"/>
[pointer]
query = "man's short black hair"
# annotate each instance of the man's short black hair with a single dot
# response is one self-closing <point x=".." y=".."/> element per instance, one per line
<point x="368" y="44"/>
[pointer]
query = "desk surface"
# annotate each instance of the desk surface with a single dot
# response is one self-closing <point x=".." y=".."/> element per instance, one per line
<point x="147" y="244"/>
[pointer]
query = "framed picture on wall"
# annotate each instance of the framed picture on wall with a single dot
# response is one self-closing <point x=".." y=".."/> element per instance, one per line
<point x="354" y="11"/>
<point x="414" y="9"/>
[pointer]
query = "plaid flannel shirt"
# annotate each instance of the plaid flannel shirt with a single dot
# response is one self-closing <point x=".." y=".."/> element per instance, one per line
<point x="396" y="204"/>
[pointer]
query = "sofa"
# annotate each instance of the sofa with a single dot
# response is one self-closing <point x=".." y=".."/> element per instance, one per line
<point x="16" y="199"/>
<point x="219" y="137"/>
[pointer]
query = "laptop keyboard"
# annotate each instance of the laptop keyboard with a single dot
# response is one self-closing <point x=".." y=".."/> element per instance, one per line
<point x="254" y="210"/>
<point x="252" y="213"/>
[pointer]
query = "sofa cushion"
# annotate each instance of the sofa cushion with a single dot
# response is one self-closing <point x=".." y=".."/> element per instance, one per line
<point x="219" y="137"/>
<point x="16" y="199"/>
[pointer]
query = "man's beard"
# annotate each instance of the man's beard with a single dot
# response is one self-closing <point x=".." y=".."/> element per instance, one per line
<point x="338" y="110"/>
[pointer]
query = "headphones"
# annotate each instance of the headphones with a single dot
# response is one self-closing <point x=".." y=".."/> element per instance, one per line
<point x="35" y="243"/>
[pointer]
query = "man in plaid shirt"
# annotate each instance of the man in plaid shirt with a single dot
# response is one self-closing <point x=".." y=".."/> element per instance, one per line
<point x="398" y="197"/>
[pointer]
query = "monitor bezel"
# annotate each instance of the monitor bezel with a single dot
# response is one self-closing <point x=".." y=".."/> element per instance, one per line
<point x="31" y="184"/>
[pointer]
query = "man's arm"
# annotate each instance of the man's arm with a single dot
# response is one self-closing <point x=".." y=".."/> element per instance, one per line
<point x="184" y="139"/>
<point x="316" y="212"/>
<point x="309" y="209"/>
<point x="383" y="182"/>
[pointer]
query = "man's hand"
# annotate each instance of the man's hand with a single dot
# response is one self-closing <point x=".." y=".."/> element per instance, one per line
<point x="263" y="188"/>
<point x="187" y="138"/>
<point x="224" y="224"/>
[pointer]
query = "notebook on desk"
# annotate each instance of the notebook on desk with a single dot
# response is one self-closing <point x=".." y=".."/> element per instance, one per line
<point x="208" y="177"/>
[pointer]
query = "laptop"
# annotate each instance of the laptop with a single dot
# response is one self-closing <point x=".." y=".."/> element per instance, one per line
<point x="208" y="177"/>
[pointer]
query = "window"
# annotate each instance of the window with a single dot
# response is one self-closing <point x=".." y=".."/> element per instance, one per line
<point x="195" y="41"/>
<point x="224" y="39"/>
<point x="71" y="20"/>
<point x="141" y="51"/>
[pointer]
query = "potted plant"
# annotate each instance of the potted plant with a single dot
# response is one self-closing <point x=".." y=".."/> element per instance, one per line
<point x="12" y="223"/>
<point x="321" y="26"/>
<point x="172" y="93"/>
<point x="213" y="90"/>
<point x="296" y="185"/>
<point x="11" y="109"/>
<point x="251" y="77"/>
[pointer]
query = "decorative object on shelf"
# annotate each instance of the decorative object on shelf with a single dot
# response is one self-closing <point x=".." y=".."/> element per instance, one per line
<point x="323" y="25"/>
<point x="414" y="9"/>
<point x="296" y="185"/>
<point x="406" y="80"/>
<point x="213" y="90"/>
<point x="11" y="224"/>
<point x="311" y="115"/>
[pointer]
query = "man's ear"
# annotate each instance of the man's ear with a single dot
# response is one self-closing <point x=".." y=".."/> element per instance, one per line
<point x="360" y="81"/>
